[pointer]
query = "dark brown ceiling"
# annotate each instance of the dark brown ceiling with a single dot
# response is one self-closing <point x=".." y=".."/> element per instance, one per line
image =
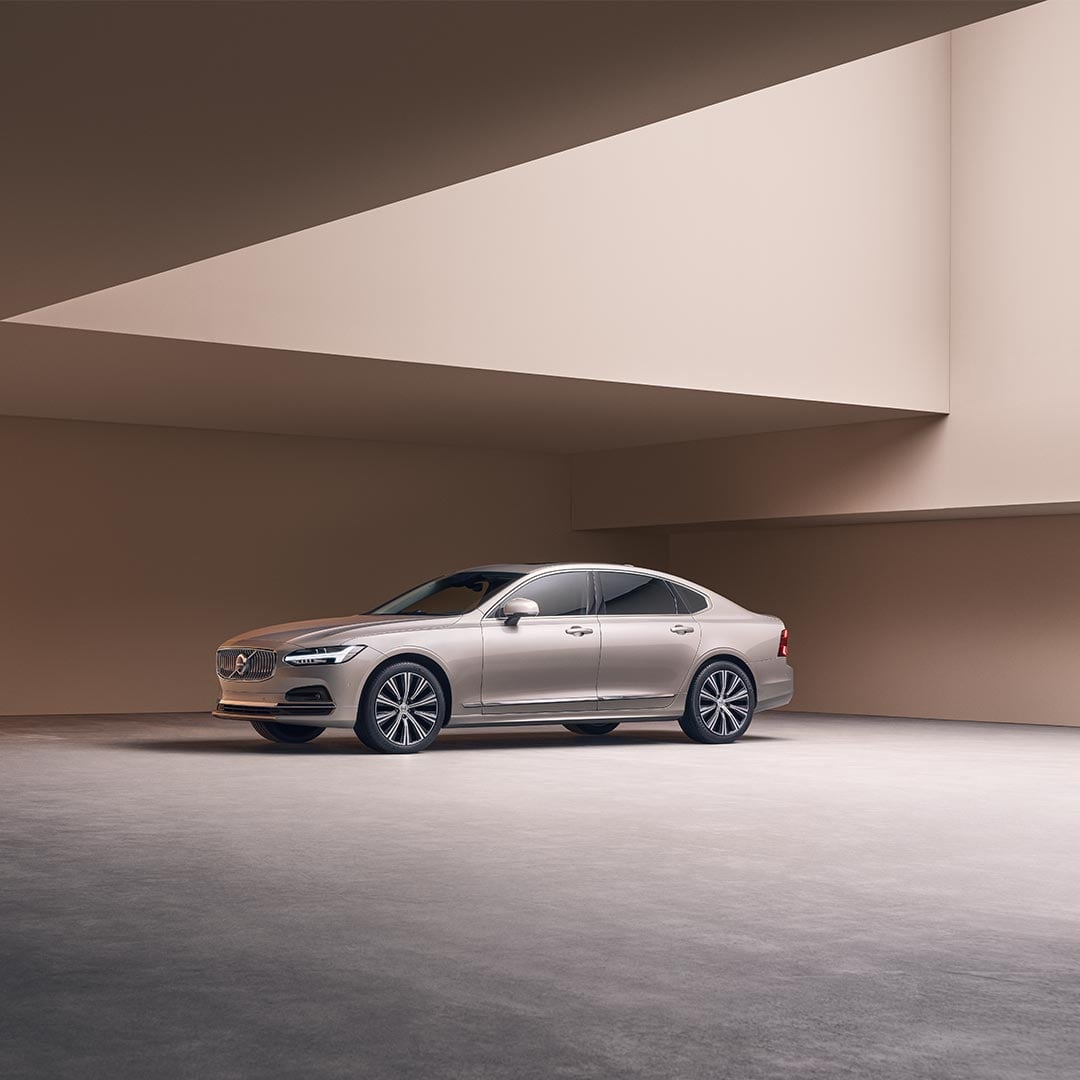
<point x="86" y="375"/>
<point x="141" y="136"/>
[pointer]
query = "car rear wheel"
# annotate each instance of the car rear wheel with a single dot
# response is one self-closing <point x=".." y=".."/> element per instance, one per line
<point x="719" y="705"/>
<point x="402" y="710"/>
<point x="286" y="733"/>
<point x="591" y="729"/>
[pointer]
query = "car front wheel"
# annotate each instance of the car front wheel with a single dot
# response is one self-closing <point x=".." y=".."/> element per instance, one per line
<point x="719" y="704"/>
<point x="286" y="733"/>
<point x="402" y="710"/>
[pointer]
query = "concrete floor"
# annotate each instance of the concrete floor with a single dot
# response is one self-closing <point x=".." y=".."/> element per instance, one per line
<point x="828" y="898"/>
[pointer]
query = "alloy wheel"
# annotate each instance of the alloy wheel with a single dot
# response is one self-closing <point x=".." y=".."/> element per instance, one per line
<point x="724" y="702"/>
<point x="406" y="708"/>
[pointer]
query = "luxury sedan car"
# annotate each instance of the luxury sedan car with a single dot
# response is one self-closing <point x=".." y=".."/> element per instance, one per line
<point x="586" y="646"/>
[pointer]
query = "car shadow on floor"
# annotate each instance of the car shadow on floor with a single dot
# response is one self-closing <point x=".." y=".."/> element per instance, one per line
<point x="342" y="743"/>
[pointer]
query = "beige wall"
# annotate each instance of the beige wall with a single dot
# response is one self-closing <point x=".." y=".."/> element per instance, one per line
<point x="128" y="557"/>
<point x="789" y="243"/>
<point x="130" y="552"/>
<point x="1010" y="439"/>
<point x="964" y="620"/>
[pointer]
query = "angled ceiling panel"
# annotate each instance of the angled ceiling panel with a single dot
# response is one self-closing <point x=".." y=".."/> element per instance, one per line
<point x="143" y="136"/>
<point x="790" y="243"/>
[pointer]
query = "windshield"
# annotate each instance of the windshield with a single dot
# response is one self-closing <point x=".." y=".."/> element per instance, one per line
<point x="454" y="594"/>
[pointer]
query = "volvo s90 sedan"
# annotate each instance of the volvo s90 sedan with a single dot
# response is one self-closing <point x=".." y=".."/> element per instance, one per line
<point x="585" y="646"/>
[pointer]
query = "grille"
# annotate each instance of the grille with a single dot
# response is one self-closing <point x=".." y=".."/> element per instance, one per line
<point x="256" y="664"/>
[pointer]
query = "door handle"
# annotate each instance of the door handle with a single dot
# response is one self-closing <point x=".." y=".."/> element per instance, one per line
<point x="680" y="629"/>
<point x="577" y="631"/>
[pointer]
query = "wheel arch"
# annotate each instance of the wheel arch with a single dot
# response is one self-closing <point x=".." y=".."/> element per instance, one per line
<point x="731" y="657"/>
<point x="433" y="665"/>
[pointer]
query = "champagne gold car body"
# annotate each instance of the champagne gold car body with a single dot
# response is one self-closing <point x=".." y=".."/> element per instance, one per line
<point x="507" y="662"/>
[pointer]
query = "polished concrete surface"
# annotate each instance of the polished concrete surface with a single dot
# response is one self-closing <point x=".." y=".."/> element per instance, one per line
<point x="828" y="898"/>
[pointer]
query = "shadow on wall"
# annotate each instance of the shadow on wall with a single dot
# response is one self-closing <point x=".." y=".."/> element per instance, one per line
<point x="816" y="472"/>
<point x="969" y="619"/>
<point x="139" y="549"/>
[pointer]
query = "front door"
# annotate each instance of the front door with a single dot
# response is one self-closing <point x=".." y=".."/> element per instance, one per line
<point x="546" y="663"/>
<point x="646" y="647"/>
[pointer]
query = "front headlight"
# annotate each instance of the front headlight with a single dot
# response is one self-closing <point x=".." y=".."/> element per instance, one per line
<point x="331" y="654"/>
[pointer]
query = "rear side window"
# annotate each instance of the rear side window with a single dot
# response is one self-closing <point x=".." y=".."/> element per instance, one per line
<point x="558" y="594"/>
<point x="689" y="599"/>
<point x="634" y="594"/>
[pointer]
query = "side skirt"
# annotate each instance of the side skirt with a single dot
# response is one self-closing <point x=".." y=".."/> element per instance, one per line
<point x="569" y="718"/>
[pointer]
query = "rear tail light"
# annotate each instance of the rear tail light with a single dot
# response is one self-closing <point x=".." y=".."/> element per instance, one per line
<point x="782" y="651"/>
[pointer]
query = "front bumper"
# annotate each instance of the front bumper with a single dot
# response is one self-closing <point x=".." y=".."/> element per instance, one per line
<point x="315" y="712"/>
<point x="317" y="696"/>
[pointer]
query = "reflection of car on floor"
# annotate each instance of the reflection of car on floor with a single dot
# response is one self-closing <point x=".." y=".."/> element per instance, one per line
<point x="585" y="646"/>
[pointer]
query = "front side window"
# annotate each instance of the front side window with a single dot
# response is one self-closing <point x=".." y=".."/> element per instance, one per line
<point x="634" y="594"/>
<point x="454" y="594"/>
<point x="558" y="594"/>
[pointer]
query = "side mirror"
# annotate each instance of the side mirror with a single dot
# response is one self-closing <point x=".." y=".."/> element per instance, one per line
<point x="516" y="609"/>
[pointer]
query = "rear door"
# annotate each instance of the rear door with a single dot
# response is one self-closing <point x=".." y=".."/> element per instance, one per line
<point x="646" y="647"/>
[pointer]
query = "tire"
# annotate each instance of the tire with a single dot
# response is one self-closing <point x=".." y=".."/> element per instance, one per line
<point x="286" y="733"/>
<point x="719" y="704"/>
<point x="402" y="710"/>
<point x="591" y="729"/>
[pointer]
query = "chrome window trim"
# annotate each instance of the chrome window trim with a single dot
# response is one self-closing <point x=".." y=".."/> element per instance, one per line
<point x="594" y="573"/>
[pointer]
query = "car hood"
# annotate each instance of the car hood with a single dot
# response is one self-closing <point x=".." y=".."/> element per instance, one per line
<point x="348" y="629"/>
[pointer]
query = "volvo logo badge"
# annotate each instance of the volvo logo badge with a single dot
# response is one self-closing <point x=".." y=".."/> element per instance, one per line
<point x="241" y="664"/>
